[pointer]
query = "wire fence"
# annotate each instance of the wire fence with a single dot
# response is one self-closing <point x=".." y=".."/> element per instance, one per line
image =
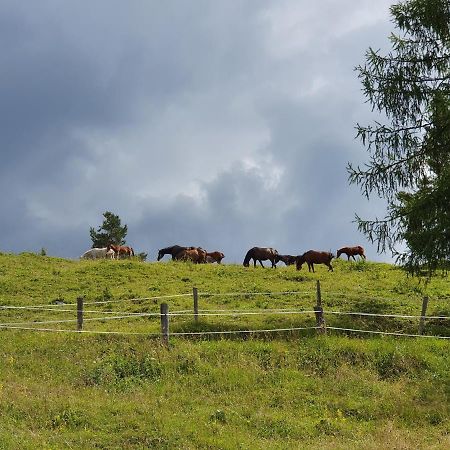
<point x="194" y="314"/>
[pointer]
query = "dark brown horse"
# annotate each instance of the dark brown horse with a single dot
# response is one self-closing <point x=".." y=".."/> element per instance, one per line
<point x="261" y="254"/>
<point x="312" y="257"/>
<point x="212" y="257"/>
<point x="119" y="250"/>
<point x="351" y="251"/>
<point x="287" y="259"/>
<point x="173" y="251"/>
<point x="194" y="254"/>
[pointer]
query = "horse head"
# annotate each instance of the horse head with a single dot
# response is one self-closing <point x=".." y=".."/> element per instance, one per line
<point x="160" y="254"/>
<point x="299" y="260"/>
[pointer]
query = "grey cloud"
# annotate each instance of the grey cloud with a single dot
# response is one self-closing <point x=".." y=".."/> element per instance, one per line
<point x="197" y="122"/>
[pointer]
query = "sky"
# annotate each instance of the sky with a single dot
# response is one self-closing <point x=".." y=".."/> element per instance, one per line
<point x="221" y="124"/>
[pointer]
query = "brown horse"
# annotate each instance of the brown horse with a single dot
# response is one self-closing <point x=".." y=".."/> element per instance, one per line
<point x="212" y="257"/>
<point x="351" y="251"/>
<point x="194" y="254"/>
<point x="261" y="254"/>
<point x="287" y="259"/>
<point x="121" y="250"/>
<point x="312" y="257"/>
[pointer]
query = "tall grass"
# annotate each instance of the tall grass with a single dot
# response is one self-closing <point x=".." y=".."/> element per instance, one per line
<point x="283" y="390"/>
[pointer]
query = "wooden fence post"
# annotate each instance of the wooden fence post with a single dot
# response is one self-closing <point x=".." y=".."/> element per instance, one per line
<point x="318" y="294"/>
<point x="79" y="313"/>
<point x="195" y="294"/>
<point x="164" y="308"/>
<point x="423" y="314"/>
<point x="320" y="319"/>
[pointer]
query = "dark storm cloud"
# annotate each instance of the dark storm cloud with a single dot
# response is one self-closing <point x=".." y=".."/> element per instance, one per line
<point x="220" y="124"/>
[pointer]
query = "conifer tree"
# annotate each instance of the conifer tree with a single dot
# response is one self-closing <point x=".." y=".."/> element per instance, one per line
<point x="409" y="162"/>
<point x="110" y="232"/>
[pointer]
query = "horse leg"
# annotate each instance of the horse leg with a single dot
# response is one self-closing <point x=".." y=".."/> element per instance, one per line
<point x="353" y="256"/>
<point x="260" y="261"/>
<point x="330" y="267"/>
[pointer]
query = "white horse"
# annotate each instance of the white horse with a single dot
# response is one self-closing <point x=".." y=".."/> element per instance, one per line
<point x="98" y="253"/>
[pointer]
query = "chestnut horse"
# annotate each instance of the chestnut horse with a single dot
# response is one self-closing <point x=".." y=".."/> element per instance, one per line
<point x="212" y="257"/>
<point x="194" y="254"/>
<point x="351" y="251"/>
<point x="287" y="259"/>
<point x="261" y="254"/>
<point x="312" y="257"/>
<point x="121" y="250"/>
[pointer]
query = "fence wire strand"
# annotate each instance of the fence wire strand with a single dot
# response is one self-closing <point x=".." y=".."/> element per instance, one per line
<point x="116" y="315"/>
<point x="180" y="333"/>
<point x="388" y="333"/>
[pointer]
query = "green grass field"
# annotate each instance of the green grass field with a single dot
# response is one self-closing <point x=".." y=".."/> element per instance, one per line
<point x="283" y="390"/>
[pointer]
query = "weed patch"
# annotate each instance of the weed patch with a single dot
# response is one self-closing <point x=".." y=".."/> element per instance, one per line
<point x="122" y="372"/>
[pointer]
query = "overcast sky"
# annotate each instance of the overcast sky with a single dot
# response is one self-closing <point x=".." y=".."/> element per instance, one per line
<point x="223" y="124"/>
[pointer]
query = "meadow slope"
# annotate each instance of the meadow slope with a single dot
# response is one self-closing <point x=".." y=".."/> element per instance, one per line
<point x="280" y="390"/>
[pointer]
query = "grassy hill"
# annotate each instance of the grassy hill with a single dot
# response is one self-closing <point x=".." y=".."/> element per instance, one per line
<point x="279" y="390"/>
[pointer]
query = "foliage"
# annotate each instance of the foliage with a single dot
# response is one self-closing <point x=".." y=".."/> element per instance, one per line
<point x="410" y="157"/>
<point x="287" y="390"/>
<point x="110" y="232"/>
<point x="131" y="393"/>
<point x="353" y="286"/>
<point x="142" y="256"/>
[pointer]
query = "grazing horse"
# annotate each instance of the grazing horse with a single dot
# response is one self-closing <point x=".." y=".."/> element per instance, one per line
<point x="121" y="250"/>
<point x="312" y="257"/>
<point x="195" y="254"/>
<point x="213" y="257"/>
<point x="261" y="254"/>
<point x="173" y="251"/>
<point x="287" y="259"/>
<point x="351" y="251"/>
<point x="96" y="253"/>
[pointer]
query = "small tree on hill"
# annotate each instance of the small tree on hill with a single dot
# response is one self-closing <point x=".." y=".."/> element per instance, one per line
<point x="111" y="231"/>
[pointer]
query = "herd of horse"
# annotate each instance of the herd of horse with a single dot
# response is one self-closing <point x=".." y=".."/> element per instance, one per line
<point x="260" y="254"/>
<point x="311" y="257"/>
<point x="109" y="252"/>
<point x="198" y="255"/>
<point x="195" y="254"/>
